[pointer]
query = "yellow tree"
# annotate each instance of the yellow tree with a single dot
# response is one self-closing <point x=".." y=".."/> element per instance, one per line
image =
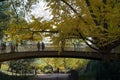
<point x="64" y="64"/>
<point x="98" y="19"/>
<point x="87" y="18"/>
<point x="22" y="30"/>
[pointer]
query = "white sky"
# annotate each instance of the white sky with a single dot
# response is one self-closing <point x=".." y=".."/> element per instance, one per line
<point x="39" y="10"/>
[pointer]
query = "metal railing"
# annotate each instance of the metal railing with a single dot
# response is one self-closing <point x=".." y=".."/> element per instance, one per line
<point x="48" y="47"/>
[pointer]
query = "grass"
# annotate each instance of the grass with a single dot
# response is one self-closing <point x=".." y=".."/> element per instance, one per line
<point x="4" y="67"/>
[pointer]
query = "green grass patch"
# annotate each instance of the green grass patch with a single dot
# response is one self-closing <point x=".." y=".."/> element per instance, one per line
<point x="4" y="67"/>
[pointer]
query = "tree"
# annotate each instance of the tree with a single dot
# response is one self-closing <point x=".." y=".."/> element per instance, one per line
<point x="64" y="64"/>
<point x="21" y="66"/>
<point x="88" y="18"/>
<point x="4" y="18"/>
<point x="83" y="19"/>
<point x="17" y="11"/>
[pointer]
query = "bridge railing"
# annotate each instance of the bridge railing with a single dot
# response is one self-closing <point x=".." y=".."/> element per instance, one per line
<point x="48" y="47"/>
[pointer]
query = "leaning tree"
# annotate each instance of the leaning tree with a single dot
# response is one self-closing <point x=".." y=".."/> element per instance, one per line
<point x="94" y="21"/>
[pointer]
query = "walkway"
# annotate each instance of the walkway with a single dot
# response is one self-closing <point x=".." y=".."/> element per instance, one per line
<point x="49" y="47"/>
<point x="54" y="76"/>
<point x="30" y="51"/>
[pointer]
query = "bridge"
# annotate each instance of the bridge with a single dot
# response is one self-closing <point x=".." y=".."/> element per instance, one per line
<point x="30" y="51"/>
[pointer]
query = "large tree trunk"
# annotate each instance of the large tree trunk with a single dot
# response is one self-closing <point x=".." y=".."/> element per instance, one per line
<point x="106" y="55"/>
<point x="0" y="65"/>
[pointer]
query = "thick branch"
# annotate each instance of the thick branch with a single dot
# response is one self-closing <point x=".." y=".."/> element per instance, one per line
<point x="80" y="18"/>
<point x="75" y="11"/>
<point x="44" y="31"/>
<point x="41" y="31"/>
<point x="91" y="12"/>
<point x="81" y="36"/>
<point x="90" y="41"/>
<point x="2" y="0"/>
<point x="113" y="44"/>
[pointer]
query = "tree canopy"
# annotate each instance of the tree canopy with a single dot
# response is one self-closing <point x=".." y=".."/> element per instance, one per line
<point x="89" y="18"/>
<point x="96" y="22"/>
<point x="4" y="18"/>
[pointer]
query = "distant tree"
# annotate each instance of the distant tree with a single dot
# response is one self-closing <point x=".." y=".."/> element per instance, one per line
<point x="64" y="64"/>
<point x="21" y="66"/>
<point x="4" y="18"/>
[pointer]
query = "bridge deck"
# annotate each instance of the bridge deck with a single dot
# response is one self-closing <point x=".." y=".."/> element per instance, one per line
<point x="65" y="54"/>
<point x="70" y="52"/>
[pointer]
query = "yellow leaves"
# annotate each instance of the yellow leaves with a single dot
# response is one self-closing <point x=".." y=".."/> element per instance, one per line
<point x="39" y="25"/>
<point x="36" y="25"/>
<point x="25" y="36"/>
<point x="26" y="31"/>
<point x="64" y="63"/>
<point x="114" y="32"/>
<point x="37" y="37"/>
<point x="67" y="22"/>
<point x="68" y="25"/>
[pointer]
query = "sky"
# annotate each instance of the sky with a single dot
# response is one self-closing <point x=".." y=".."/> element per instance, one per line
<point x="39" y="10"/>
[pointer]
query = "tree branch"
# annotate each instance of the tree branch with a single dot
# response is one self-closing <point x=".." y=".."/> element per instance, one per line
<point x="44" y="31"/>
<point x="81" y="36"/>
<point x="15" y="10"/>
<point x="113" y="44"/>
<point x="91" y="12"/>
<point x="2" y="0"/>
<point x="80" y="18"/>
<point x="75" y="11"/>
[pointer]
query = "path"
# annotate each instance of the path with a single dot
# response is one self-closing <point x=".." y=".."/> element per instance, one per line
<point x="54" y="76"/>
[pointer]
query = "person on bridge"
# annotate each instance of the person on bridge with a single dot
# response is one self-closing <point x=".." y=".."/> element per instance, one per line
<point x="16" y="47"/>
<point x="62" y="45"/>
<point x="3" y="47"/>
<point x="38" y="46"/>
<point x="58" y="70"/>
<point x="12" y="48"/>
<point x="43" y="46"/>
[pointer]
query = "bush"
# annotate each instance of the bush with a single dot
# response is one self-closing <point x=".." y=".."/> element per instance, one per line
<point x="73" y="75"/>
<point x="101" y="70"/>
<point x="9" y="77"/>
